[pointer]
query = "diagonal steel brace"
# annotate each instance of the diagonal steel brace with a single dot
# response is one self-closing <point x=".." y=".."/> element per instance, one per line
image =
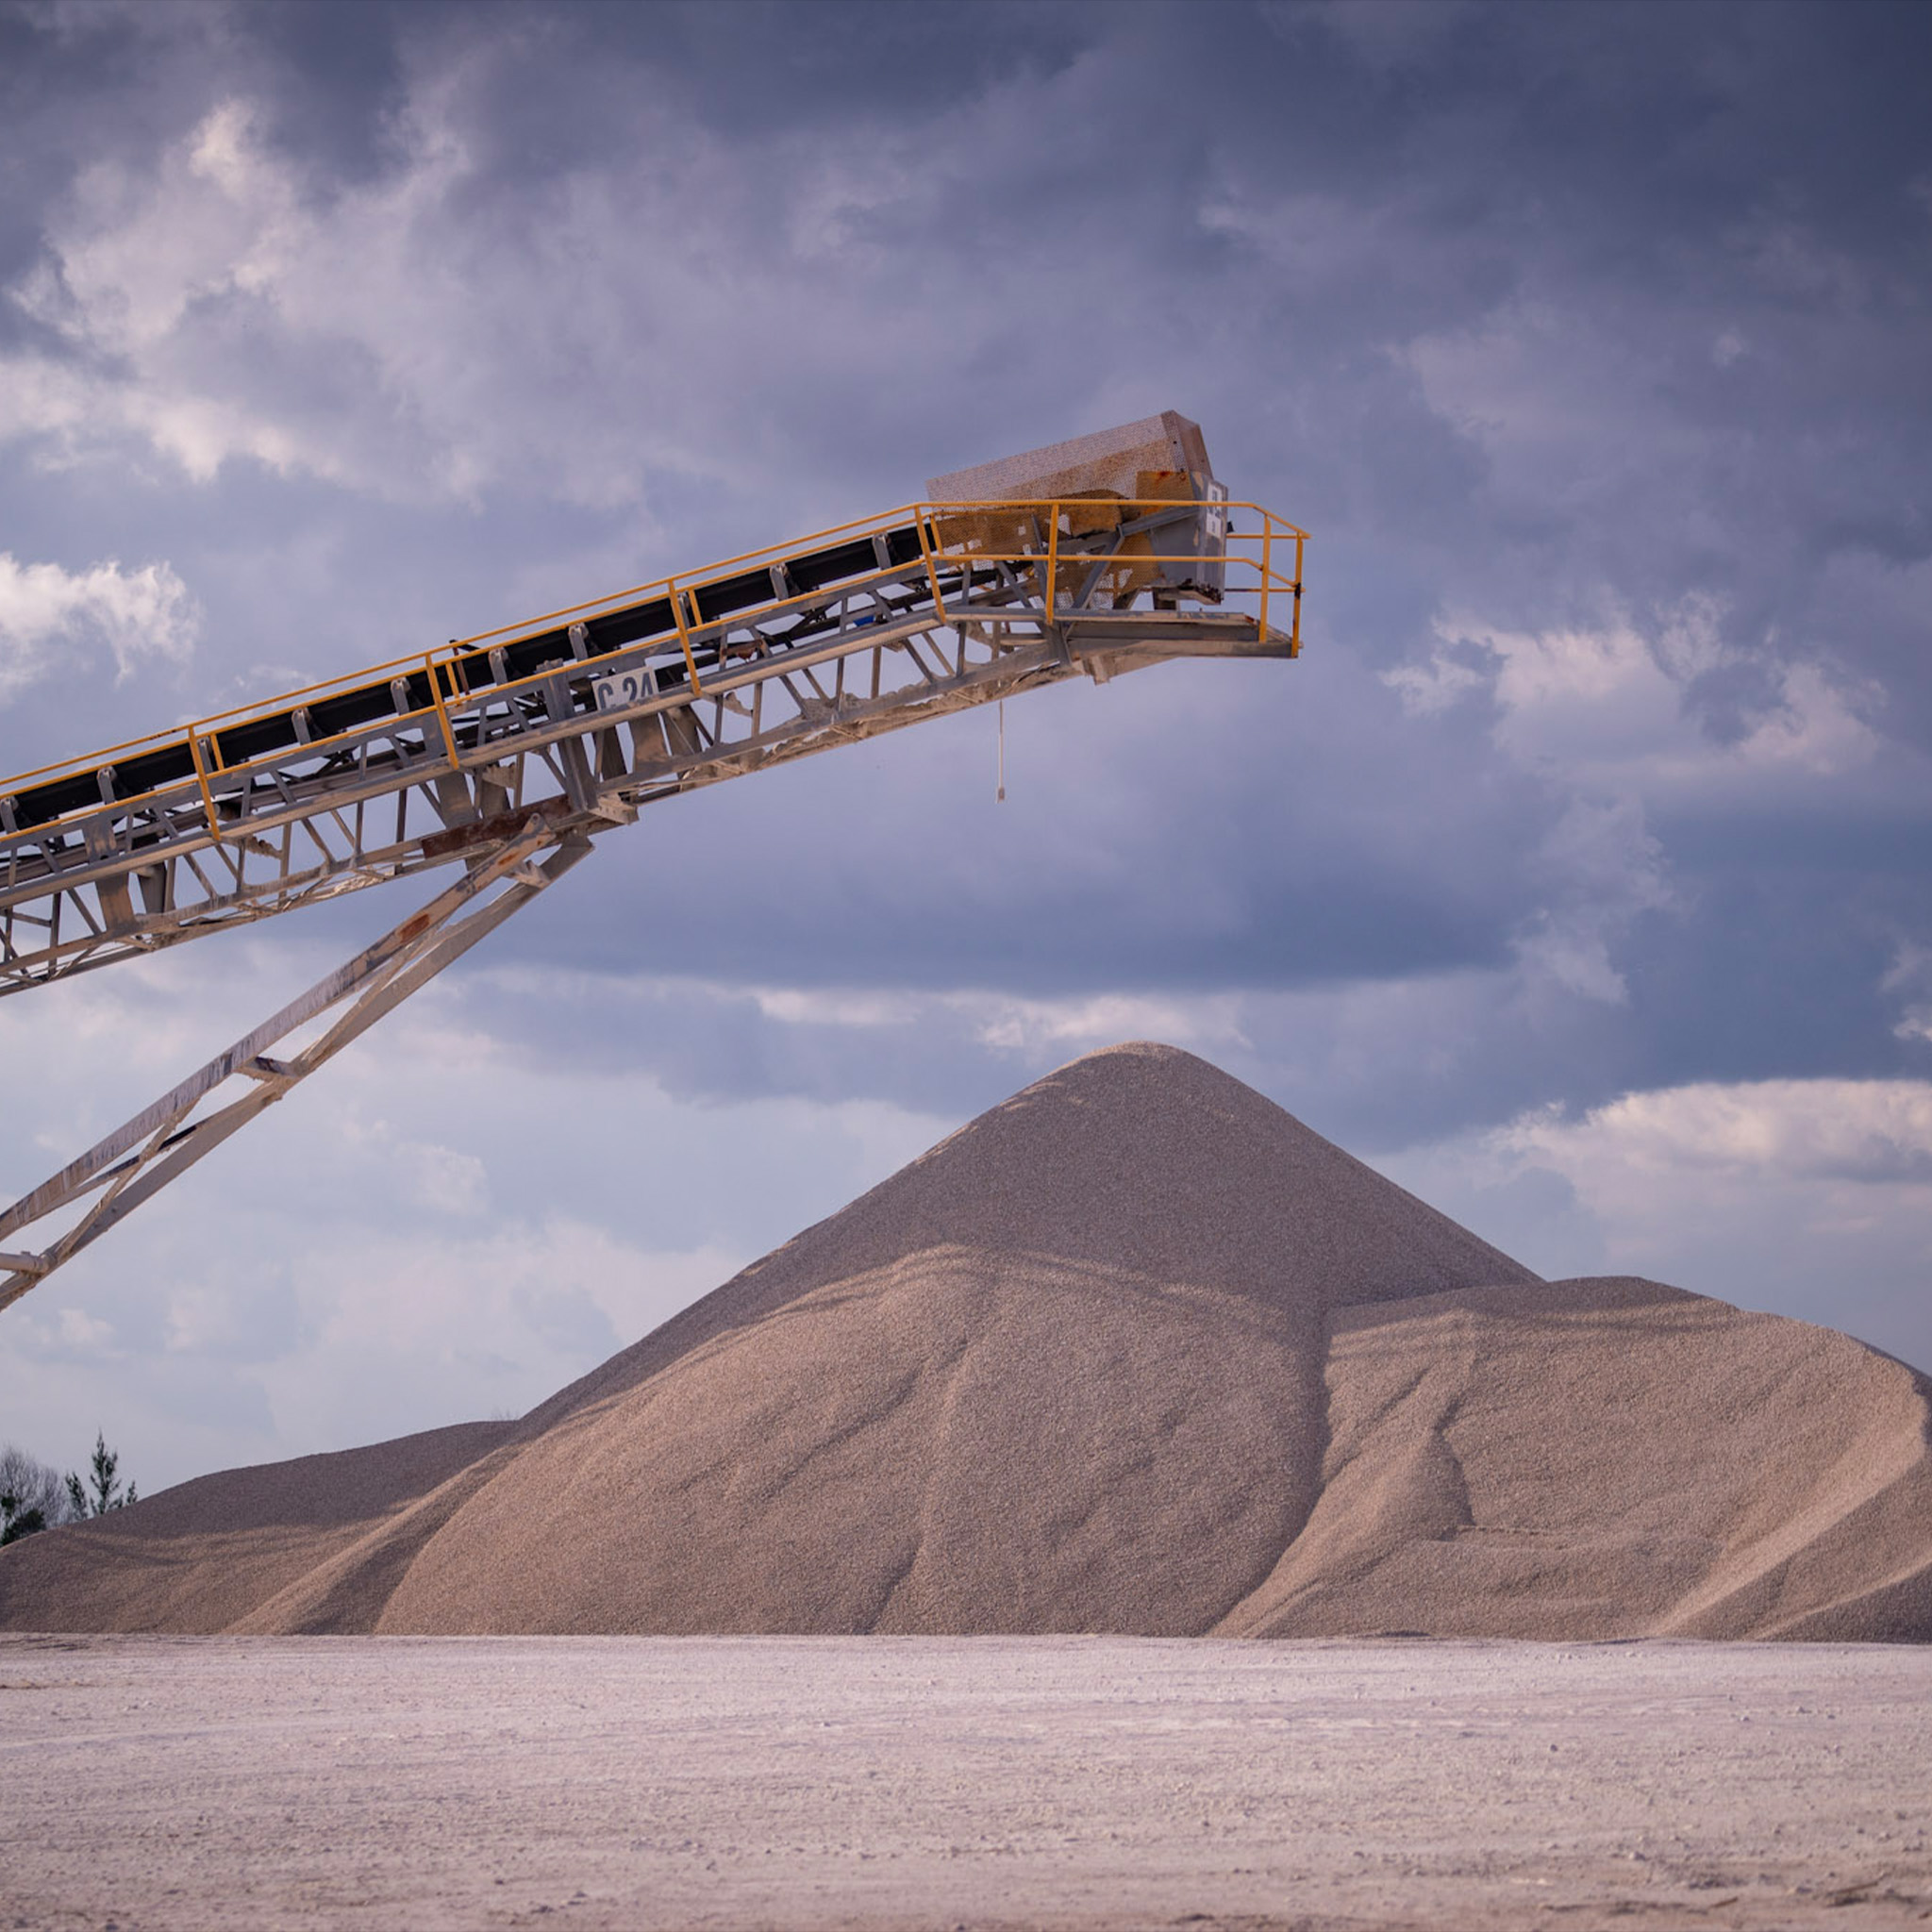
<point x="142" y="1155"/>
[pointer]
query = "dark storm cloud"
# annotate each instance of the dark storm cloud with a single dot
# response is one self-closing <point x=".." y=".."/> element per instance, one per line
<point x="1588" y="339"/>
<point x="1544" y="319"/>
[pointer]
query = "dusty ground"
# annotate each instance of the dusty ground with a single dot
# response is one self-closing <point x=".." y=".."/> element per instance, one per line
<point x="637" y="1783"/>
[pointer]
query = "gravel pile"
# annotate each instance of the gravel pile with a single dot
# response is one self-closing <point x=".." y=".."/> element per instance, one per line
<point x="1134" y="1352"/>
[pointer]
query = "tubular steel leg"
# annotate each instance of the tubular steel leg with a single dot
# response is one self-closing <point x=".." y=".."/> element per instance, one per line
<point x="143" y="1155"/>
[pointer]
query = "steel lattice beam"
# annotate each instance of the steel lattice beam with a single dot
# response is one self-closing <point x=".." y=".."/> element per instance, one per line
<point x="460" y="753"/>
<point x="142" y="1155"/>
<point x="510" y="757"/>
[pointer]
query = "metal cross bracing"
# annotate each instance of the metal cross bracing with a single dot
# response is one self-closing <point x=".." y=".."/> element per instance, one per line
<point x="507" y="753"/>
<point x="141" y="1157"/>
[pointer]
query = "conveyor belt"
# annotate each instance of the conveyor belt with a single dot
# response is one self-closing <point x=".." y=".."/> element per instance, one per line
<point x="648" y="621"/>
<point x="591" y="712"/>
<point x="507" y="754"/>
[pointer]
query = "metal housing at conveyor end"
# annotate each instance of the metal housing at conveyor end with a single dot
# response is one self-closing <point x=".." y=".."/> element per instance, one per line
<point x="507" y="754"/>
<point x="1158" y="448"/>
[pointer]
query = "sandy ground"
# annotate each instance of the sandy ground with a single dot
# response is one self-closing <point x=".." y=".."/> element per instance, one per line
<point x="611" y="1782"/>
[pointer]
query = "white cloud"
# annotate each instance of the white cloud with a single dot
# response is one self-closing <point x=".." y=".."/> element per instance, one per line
<point x="134" y="613"/>
<point x="1814" y="728"/>
<point x="793" y="1006"/>
<point x="83" y="1334"/>
<point x="1808" y="1130"/>
<point x="448" y="326"/>
<point x="1606" y="708"/>
<point x="1068" y="1027"/>
<point x="1427" y="689"/>
<point x="1568" y="948"/>
<point x="1600" y="868"/>
<point x="152" y="275"/>
<point x="1603" y="714"/>
<point x="493" y="1320"/>
<point x="1810" y="1198"/>
<point x="442" y="1179"/>
<point x="213" y="309"/>
<point x="1030" y="1030"/>
<point x="1910" y="975"/>
<point x="1022" y="1027"/>
<point x="1523" y="383"/>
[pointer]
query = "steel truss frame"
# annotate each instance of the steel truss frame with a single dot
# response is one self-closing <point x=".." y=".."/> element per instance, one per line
<point x="461" y="752"/>
<point x="512" y="775"/>
<point x="145" y="1154"/>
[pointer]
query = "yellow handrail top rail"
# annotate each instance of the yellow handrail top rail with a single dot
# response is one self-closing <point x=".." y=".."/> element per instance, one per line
<point x="679" y="584"/>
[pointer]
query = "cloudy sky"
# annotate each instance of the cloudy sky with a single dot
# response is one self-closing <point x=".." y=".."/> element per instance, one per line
<point x="1575" y="875"/>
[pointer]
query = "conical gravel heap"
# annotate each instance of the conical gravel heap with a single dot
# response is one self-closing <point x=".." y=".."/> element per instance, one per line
<point x="1135" y="1351"/>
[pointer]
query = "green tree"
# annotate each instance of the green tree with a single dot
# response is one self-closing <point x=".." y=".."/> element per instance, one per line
<point x="31" y="1495"/>
<point x="17" y="1518"/>
<point x="105" y="1492"/>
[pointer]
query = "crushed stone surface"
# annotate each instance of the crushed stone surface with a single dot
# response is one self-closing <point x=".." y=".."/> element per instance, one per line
<point x="1134" y="1353"/>
<point x="639" y="1783"/>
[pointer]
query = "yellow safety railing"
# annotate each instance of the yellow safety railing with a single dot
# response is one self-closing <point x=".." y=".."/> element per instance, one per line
<point x="1092" y="515"/>
<point x="443" y="670"/>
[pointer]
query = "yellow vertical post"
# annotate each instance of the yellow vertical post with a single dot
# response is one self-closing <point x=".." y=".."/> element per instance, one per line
<point x="1267" y="575"/>
<point x="1295" y="648"/>
<point x="922" y="524"/>
<point x="1053" y="557"/>
<point x="207" y="797"/>
<point x="691" y="663"/>
<point x="449" y="736"/>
